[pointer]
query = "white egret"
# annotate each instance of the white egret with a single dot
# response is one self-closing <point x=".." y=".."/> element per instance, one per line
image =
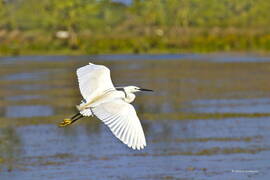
<point x="110" y="104"/>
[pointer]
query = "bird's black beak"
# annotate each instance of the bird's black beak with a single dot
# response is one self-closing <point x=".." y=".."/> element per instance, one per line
<point x="141" y="89"/>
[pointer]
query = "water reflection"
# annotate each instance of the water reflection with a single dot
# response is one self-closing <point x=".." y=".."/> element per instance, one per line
<point x="169" y="143"/>
<point x="162" y="136"/>
<point x="250" y="106"/>
<point x="24" y="97"/>
<point x="33" y="76"/>
<point x="10" y="148"/>
<point x="30" y="87"/>
<point x="202" y="120"/>
<point x="28" y="111"/>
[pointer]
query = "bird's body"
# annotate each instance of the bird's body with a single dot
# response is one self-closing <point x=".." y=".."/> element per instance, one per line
<point x="107" y="96"/>
<point x="111" y="105"/>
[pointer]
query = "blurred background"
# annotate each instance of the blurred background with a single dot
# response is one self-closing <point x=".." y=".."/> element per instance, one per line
<point x="207" y="61"/>
<point x="133" y="26"/>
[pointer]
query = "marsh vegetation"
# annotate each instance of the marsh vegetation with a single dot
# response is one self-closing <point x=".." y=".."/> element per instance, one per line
<point x="106" y="26"/>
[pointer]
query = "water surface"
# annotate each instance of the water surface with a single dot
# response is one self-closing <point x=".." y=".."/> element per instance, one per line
<point x="208" y="118"/>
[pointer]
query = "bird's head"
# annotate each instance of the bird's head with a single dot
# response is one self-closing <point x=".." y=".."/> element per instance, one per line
<point x="132" y="89"/>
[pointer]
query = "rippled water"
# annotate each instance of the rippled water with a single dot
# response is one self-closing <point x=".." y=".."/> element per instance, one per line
<point x="209" y="118"/>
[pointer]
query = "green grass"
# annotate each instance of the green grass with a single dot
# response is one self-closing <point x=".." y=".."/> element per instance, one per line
<point x="104" y="26"/>
<point x="46" y="43"/>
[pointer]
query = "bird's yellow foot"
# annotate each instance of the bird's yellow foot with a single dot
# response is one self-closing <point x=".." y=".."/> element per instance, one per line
<point x="65" y="122"/>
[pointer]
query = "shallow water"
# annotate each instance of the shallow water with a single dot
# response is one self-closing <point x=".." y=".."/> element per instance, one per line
<point x="208" y="118"/>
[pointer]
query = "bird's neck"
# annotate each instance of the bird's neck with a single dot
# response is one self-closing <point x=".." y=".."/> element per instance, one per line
<point x="129" y="97"/>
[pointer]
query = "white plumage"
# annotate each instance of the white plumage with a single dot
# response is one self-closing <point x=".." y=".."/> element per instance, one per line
<point x="123" y="121"/>
<point x="110" y="104"/>
<point x="94" y="80"/>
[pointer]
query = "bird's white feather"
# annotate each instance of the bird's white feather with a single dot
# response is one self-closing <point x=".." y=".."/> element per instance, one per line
<point x="94" y="80"/>
<point x="123" y="121"/>
<point x="86" y="112"/>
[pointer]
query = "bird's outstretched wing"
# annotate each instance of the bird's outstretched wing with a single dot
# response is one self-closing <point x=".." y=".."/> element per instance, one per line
<point x="94" y="80"/>
<point x="123" y="121"/>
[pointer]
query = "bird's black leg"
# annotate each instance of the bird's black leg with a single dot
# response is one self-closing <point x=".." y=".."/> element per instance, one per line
<point x="75" y="115"/>
<point x="76" y="119"/>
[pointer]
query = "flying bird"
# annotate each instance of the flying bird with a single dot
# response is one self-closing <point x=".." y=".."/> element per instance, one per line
<point x="109" y="104"/>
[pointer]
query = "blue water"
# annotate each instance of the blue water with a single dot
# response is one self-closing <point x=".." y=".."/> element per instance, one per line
<point x="79" y="153"/>
<point x="222" y="58"/>
<point x="203" y="121"/>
